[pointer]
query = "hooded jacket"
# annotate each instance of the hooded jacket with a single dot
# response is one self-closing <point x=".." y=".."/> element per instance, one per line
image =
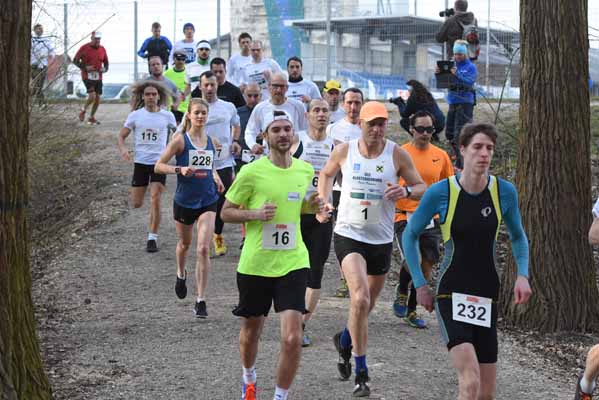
<point x="452" y="30"/>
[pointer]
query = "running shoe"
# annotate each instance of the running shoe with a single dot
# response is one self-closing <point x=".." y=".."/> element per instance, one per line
<point x="580" y="395"/>
<point x="306" y="342"/>
<point x="181" y="287"/>
<point x="361" y="389"/>
<point x="344" y="364"/>
<point x="400" y="306"/>
<point x="248" y="392"/>
<point x="82" y="115"/>
<point x="220" y="248"/>
<point x="200" y="309"/>
<point x="343" y="290"/>
<point x="151" y="246"/>
<point x="93" y="121"/>
<point x="414" y="321"/>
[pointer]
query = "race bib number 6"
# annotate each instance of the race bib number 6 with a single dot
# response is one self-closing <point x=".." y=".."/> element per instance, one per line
<point x="278" y="236"/>
<point x="201" y="159"/>
<point x="473" y="310"/>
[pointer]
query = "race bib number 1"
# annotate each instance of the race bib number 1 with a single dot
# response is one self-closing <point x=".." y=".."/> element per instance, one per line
<point x="278" y="236"/>
<point x="365" y="212"/>
<point x="93" y="75"/>
<point x="473" y="310"/>
<point x="201" y="159"/>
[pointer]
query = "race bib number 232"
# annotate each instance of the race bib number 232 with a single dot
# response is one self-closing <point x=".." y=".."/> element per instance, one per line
<point x="473" y="310"/>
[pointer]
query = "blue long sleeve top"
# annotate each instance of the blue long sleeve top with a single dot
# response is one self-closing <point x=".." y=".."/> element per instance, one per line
<point x="466" y="75"/>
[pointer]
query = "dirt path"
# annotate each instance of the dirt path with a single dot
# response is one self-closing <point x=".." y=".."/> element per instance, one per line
<point x="112" y="327"/>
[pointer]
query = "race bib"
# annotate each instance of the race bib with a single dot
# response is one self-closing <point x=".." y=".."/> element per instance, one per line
<point x="473" y="310"/>
<point x="278" y="236"/>
<point x="93" y="75"/>
<point x="201" y="159"/>
<point x="364" y="211"/>
<point x="259" y="79"/>
<point x="223" y="153"/>
<point x="248" y="157"/>
<point x="149" y="136"/>
<point x="314" y="183"/>
<point x="430" y="225"/>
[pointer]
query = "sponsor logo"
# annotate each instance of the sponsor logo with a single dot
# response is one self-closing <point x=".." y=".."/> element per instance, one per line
<point x="356" y="167"/>
<point x="379" y="168"/>
<point x="486" y="211"/>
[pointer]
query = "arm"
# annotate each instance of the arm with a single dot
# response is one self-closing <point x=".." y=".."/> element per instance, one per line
<point x="142" y="49"/>
<point x="467" y="77"/>
<point x="410" y="108"/>
<point x="594" y="232"/>
<point x="175" y="146"/>
<point x="408" y="172"/>
<point x="233" y="213"/>
<point x="328" y="174"/>
<point x="77" y="60"/>
<point x="105" y="62"/>
<point x="252" y="129"/>
<point x="123" y="150"/>
<point x="441" y="36"/>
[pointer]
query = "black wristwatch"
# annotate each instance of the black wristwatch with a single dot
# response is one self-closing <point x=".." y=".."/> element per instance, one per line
<point x="177" y="170"/>
<point x="408" y="191"/>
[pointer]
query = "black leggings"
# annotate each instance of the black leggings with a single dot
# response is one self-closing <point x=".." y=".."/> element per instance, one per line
<point x="317" y="238"/>
<point x="226" y="176"/>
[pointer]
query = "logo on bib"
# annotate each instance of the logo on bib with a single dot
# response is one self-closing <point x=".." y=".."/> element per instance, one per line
<point x="356" y="167"/>
<point x="486" y="211"/>
<point x="379" y="168"/>
<point x="293" y="196"/>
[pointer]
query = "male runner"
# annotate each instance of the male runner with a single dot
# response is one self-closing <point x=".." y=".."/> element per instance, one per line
<point x="471" y="208"/>
<point x="363" y="236"/>
<point x="315" y="147"/>
<point x="177" y="76"/>
<point x="260" y="70"/>
<point x="187" y="44"/>
<point x="433" y="164"/>
<point x="156" y="45"/>
<point x="240" y="60"/>
<point x="157" y="74"/>
<point x="151" y="126"/>
<point x="331" y="93"/>
<point x="300" y="89"/>
<point x="194" y="69"/>
<point x="92" y="60"/>
<point x="222" y="125"/>
<point x="226" y="90"/>
<point x="343" y="131"/>
<point x="268" y="196"/>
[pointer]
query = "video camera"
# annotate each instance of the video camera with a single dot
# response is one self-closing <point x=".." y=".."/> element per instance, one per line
<point x="397" y="101"/>
<point x="447" y="13"/>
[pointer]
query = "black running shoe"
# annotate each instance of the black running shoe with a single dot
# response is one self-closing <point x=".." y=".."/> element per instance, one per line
<point x="200" y="309"/>
<point x="361" y="389"/>
<point x="151" y="246"/>
<point x="181" y="288"/>
<point x="344" y="364"/>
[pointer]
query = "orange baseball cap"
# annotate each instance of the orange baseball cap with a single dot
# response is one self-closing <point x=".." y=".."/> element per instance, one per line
<point x="373" y="110"/>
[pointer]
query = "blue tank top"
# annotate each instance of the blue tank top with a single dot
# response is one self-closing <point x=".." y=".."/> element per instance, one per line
<point x="198" y="190"/>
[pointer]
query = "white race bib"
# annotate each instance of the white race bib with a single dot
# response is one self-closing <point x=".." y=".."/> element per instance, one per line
<point x="430" y="225"/>
<point x="93" y="75"/>
<point x="248" y="157"/>
<point x="149" y="136"/>
<point x="364" y="212"/>
<point x="278" y="236"/>
<point x="472" y="310"/>
<point x="201" y="159"/>
<point x="223" y="153"/>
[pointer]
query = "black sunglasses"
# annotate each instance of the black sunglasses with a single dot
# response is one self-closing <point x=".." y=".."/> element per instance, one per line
<point x="181" y="57"/>
<point x="422" y="129"/>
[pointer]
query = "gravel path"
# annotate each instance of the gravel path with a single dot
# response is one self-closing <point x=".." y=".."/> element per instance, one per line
<point x="112" y="327"/>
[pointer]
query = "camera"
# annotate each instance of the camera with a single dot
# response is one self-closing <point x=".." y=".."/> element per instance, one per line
<point x="447" y="13"/>
<point x="397" y="101"/>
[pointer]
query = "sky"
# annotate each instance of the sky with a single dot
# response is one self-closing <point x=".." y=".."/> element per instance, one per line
<point x="115" y="20"/>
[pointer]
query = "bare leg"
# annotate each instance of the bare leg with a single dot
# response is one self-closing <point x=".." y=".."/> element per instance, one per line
<point x="592" y="366"/>
<point x="95" y="105"/>
<point x="156" y="190"/>
<point x="488" y="380"/>
<point x="312" y="299"/>
<point x="249" y="336"/>
<point x="375" y="286"/>
<point x="185" y="233"/>
<point x="465" y="362"/>
<point x="91" y="98"/>
<point x="291" y="340"/>
<point x="205" y="229"/>
<point x="354" y="269"/>
<point x="136" y="195"/>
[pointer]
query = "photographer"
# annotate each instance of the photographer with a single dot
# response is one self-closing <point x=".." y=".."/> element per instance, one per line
<point x="420" y="100"/>
<point x="460" y="96"/>
<point x="453" y="28"/>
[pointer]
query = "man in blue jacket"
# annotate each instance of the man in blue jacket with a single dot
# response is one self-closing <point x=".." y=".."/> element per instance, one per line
<point x="156" y="45"/>
<point x="460" y="97"/>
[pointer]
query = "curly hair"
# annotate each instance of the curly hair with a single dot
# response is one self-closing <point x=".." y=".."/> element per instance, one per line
<point x="420" y="92"/>
<point x="137" y="93"/>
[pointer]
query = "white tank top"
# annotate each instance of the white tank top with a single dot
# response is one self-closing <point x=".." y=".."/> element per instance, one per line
<point x="316" y="153"/>
<point x="364" y="215"/>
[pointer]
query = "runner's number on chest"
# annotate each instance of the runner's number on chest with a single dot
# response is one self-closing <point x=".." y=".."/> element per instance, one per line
<point x="278" y="236"/>
<point x="201" y="159"/>
<point x="149" y="135"/>
<point x="473" y="310"/>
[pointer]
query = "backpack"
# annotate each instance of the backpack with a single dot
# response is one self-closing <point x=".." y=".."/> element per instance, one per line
<point x="470" y="35"/>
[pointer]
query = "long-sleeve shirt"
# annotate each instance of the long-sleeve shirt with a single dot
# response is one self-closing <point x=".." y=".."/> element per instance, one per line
<point x="153" y="46"/>
<point x="463" y="89"/>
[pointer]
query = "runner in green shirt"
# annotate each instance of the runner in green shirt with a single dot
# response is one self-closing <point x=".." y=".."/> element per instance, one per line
<point x="268" y="196"/>
<point x="177" y="76"/>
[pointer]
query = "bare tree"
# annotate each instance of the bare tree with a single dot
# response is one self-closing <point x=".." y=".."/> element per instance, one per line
<point x="21" y="370"/>
<point x="554" y="169"/>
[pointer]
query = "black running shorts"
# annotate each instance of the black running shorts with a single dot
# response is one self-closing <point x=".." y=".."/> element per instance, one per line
<point x="455" y="333"/>
<point x="428" y="242"/>
<point x="144" y="174"/>
<point x="377" y="256"/>
<point x="188" y="216"/>
<point x="93" y="86"/>
<point x="257" y="293"/>
<point x="317" y="238"/>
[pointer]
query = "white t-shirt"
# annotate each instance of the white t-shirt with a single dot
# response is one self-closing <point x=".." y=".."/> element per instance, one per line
<point x="256" y="124"/>
<point x="235" y="68"/>
<point x="337" y="115"/>
<point x="344" y="131"/>
<point x="596" y="209"/>
<point x="254" y="73"/>
<point x="41" y="49"/>
<point x="150" y="130"/>
<point x="188" y="47"/>
<point x="303" y="88"/>
<point x="193" y="71"/>
<point x="222" y="115"/>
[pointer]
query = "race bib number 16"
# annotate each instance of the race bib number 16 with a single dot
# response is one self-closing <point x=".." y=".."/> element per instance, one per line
<point x="278" y="236"/>
<point x="472" y="310"/>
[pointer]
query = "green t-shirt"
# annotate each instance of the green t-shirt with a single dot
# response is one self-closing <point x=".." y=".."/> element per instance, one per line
<point x="272" y="248"/>
<point x="178" y="78"/>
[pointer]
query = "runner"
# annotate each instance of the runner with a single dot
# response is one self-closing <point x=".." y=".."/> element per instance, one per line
<point x="195" y="198"/>
<point x="331" y="92"/>
<point x="156" y="45"/>
<point x="433" y="164"/>
<point x="92" y="60"/>
<point x="252" y="97"/>
<point x="188" y="44"/>
<point x="157" y="74"/>
<point x="177" y="76"/>
<point x="276" y="101"/>
<point x="226" y="90"/>
<point x="260" y="70"/>
<point x="300" y="89"/>
<point x="269" y="196"/>
<point x="222" y="125"/>
<point x="314" y="147"/>
<point x="151" y="126"/>
<point x="471" y="209"/>
<point x="194" y="69"/>
<point x="240" y="60"/>
<point x="363" y="236"/>
<point x="343" y="131"/>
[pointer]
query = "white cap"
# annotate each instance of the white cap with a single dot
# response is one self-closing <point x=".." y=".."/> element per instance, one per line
<point x="203" y="44"/>
<point x="97" y="34"/>
<point x="271" y="117"/>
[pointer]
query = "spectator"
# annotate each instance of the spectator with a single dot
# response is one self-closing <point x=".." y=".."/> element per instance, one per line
<point x="42" y="53"/>
<point x="420" y="100"/>
<point x="156" y="45"/>
<point x="453" y="27"/>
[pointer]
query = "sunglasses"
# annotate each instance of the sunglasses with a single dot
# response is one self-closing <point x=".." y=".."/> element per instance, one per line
<point x="422" y="129"/>
<point x="181" y="57"/>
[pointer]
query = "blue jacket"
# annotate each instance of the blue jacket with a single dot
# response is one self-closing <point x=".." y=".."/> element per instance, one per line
<point x="465" y="78"/>
<point x="156" y="47"/>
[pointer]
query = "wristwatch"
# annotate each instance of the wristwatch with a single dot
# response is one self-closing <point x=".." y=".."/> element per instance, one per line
<point x="408" y="191"/>
<point x="177" y="170"/>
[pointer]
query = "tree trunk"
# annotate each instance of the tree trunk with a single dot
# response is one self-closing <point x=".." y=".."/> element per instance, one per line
<point x="554" y="170"/>
<point x="21" y="370"/>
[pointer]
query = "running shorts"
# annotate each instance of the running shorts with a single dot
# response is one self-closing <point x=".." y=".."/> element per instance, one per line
<point x="144" y="174"/>
<point x="188" y="216"/>
<point x="93" y="86"/>
<point x="377" y="256"/>
<point x="428" y="242"/>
